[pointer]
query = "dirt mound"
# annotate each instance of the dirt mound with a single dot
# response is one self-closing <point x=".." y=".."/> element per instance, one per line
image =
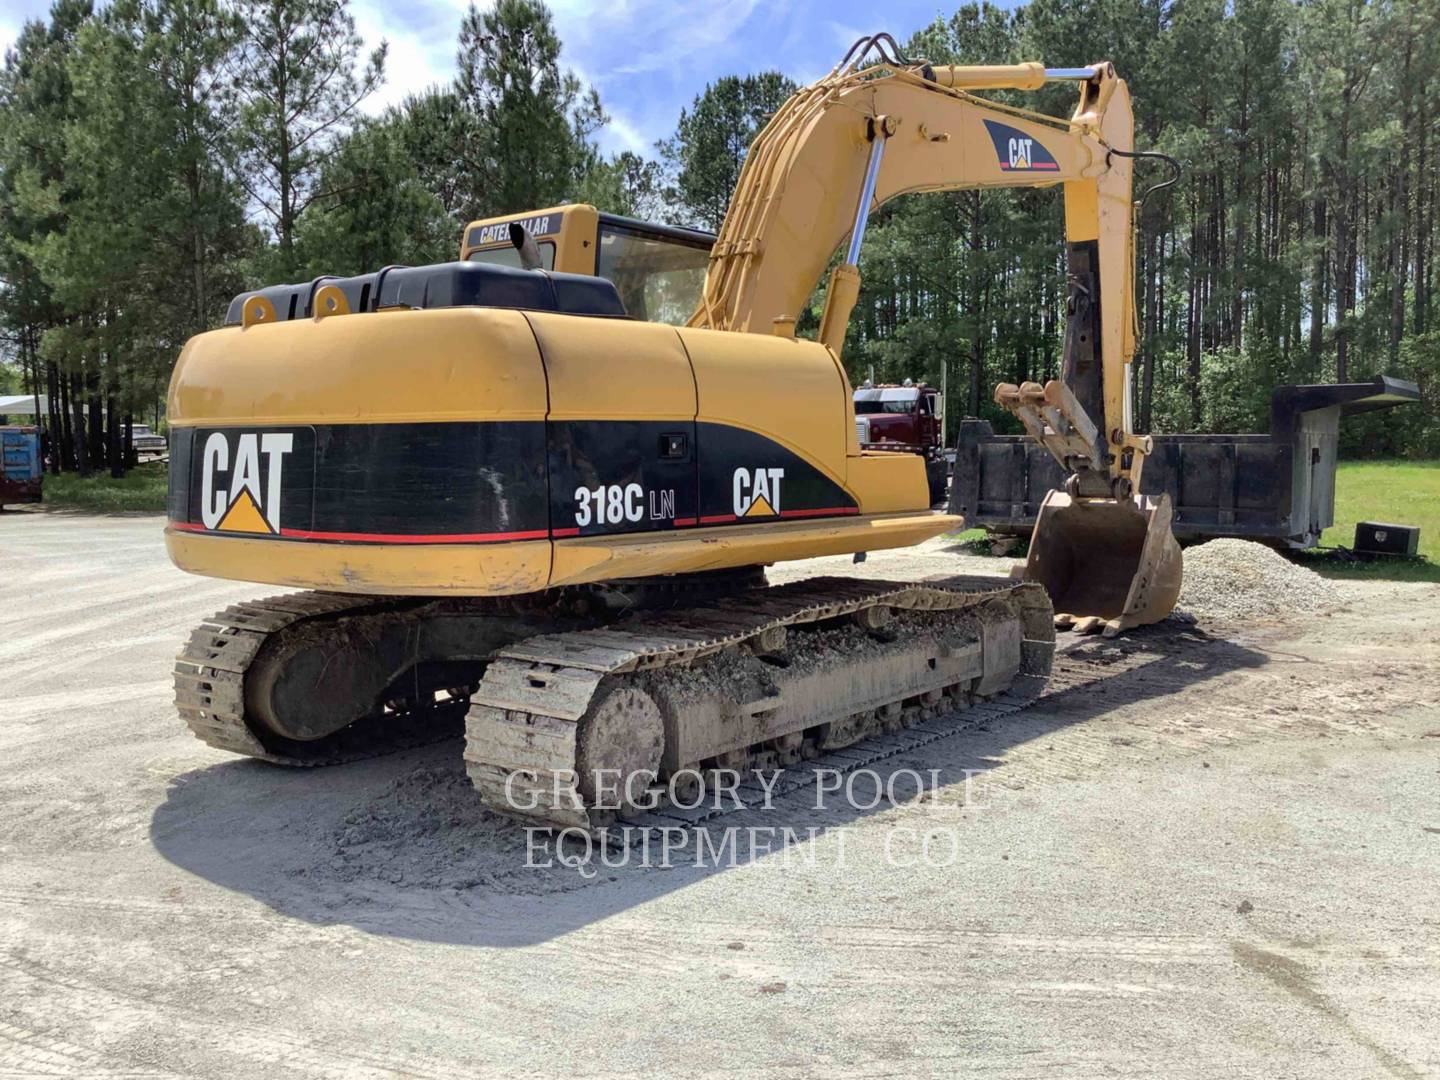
<point x="1240" y="579"/>
<point x="428" y="829"/>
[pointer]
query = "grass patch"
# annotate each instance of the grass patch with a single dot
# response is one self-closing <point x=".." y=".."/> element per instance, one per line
<point x="1399" y="492"/>
<point x="142" y="488"/>
<point x="978" y="541"/>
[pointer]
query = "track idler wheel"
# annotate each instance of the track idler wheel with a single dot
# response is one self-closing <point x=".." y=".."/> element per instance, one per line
<point x="618" y="747"/>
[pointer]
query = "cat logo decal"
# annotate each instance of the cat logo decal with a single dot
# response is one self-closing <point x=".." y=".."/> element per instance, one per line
<point x="1019" y="152"/>
<point x="757" y="492"/>
<point x="242" y="481"/>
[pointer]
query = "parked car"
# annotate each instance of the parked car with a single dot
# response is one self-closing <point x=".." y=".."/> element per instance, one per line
<point x="147" y="442"/>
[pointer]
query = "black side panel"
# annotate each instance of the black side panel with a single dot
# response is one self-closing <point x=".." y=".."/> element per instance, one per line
<point x="177" y="494"/>
<point x="358" y="483"/>
<point x="487" y="482"/>
<point x="468" y="478"/>
<point x="620" y="476"/>
<point x="743" y="474"/>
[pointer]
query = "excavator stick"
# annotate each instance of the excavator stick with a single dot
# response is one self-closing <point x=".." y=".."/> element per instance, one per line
<point x="1106" y="562"/>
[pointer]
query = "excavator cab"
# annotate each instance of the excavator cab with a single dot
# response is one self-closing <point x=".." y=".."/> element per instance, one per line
<point x="659" y="270"/>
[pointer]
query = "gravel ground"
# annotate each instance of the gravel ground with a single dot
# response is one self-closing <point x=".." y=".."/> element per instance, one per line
<point x="1221" y="861"/>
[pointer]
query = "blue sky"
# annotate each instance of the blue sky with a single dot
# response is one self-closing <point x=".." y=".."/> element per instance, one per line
<point x="648" y="58"/>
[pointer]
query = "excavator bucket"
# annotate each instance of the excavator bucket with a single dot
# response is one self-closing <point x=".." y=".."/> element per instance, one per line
<point x="1106" y="562"/>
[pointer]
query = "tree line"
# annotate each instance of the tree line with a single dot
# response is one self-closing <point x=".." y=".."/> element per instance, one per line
<point x="159" y="156"/>
<point x="1298" y="246"/>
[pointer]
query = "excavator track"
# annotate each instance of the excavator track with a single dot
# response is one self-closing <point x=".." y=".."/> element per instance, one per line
<point x="370" y="675"/>
<point x="758" y="681"/>
<point x="210" y="676"/>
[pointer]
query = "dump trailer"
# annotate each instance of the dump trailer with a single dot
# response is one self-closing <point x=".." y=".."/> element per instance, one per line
<point x="1278" y="487"/>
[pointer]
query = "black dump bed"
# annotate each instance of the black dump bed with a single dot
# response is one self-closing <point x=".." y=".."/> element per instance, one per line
<point x="445" y="285"/>
<point x="1278" y="487"/>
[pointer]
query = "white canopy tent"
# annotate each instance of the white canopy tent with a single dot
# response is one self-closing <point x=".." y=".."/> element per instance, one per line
<point x="14" y="405"/>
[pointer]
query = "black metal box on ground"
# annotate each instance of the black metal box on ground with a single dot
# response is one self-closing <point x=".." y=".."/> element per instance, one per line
<point x="1379" y="538"/>
<point x="1278" y="488"/>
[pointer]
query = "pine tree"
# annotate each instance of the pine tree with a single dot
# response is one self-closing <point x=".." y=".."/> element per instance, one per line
<point x="300" y="79"/>
<point x="529" y="122"/>
<point x="708" y="148"/>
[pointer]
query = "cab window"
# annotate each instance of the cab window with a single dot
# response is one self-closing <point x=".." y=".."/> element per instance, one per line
<point x="659" y="278"/>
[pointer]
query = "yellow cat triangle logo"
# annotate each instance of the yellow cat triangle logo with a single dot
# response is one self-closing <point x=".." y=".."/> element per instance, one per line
<point x="760" y="507"/>
<point x="244" y="516"/>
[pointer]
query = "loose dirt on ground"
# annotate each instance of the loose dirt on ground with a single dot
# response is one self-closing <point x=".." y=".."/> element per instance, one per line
<point x="1219" y="859"/>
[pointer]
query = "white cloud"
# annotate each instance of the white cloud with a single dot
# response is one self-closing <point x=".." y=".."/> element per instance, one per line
<point x="422" y="48"/>
<point x="622" y="134"/>
<point x="9" y="31"/>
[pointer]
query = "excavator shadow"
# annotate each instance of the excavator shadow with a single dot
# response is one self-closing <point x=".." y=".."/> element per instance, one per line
<point x="400" y="847"/>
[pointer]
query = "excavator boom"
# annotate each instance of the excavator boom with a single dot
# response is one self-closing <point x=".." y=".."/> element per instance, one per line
<point x="866" y="134"/>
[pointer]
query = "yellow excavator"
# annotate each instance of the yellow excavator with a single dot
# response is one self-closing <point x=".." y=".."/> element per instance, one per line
<point x="517" y="508"/>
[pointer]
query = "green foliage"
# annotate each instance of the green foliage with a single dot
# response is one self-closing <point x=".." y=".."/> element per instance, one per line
<point x="1235" y="386"/>
<point x="1411" y="431"/>
<point x="141" y="489"/>
<point x="298" y="84"/>
<point x="376" y="208"/>
<point x="708" y="149"/>
<point x="624" y="184"/>
<point x="527" y="141"/>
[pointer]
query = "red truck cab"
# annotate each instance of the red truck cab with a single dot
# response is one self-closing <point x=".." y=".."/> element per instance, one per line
<point x="904" y="419"/>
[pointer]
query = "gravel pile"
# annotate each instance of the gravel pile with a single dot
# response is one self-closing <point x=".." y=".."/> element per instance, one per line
<point x="1240" y="579"/>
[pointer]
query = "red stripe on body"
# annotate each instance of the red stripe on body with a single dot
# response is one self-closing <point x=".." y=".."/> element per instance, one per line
<point x="417" y="538"/>
<point x="824" y="511"/>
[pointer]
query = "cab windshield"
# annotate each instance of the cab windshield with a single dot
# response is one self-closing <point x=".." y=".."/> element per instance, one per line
<point x="870" y="402"/>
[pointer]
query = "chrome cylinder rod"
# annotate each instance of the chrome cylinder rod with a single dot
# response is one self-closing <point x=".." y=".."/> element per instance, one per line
<point x="867" y="193"/>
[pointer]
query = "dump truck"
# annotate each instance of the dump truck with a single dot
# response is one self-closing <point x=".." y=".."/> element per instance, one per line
<point x="514" y="508"/>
